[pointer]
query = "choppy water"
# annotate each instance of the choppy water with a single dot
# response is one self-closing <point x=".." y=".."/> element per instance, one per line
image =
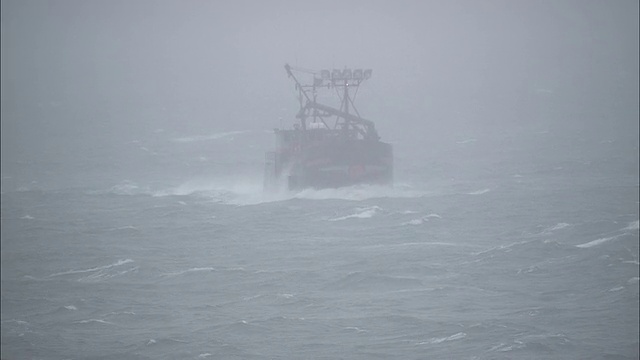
<point x="175" y="253"/>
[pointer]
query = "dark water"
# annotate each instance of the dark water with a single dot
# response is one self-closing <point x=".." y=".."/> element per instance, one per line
<point x="515" y="247"/>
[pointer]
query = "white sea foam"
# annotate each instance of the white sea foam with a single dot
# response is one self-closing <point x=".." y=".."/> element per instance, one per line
<point x="27" y="217"/>
<point x="617" y="289"/>
<point x="200" y="269"/>
<point x="457" y="336"/>
<point x="634" y="225"/>
<point x="121" y="228"/>
<point x="249" y="191"/>
<point x="215" y="136"/>
<point x="362" y="213"/>
<point x="416" y="244"/>
<point x="421" y="220"/>
<point x="103" y="274"/>
<point x="71" y="307"/>
<point x="558" y="226"/>
<point x="233" y="191"/>
<point x="93" y="321"/>
<point x="479" y="192"/>
<point x="361" y="192"/>
<point x="414" y="222"/>
<point x="633" y="280"/>
<point x="147" y="150"/>
<point x="127" y="187"/>
<point x="70" y="272"/>
<point x="596" y="242"/>
<point x="356" y="329"/>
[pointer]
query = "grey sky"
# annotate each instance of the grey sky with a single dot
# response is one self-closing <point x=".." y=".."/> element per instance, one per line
<point x="80" y="73"/>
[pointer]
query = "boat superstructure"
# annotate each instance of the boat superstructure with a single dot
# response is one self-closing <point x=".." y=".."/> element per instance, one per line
<point x="328" y="147"/>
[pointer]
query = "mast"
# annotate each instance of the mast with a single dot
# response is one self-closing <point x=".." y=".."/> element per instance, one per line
<point x="340" y="80"/>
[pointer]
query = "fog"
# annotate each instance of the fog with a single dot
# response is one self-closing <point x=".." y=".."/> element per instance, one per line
<point x="86" y="75"/>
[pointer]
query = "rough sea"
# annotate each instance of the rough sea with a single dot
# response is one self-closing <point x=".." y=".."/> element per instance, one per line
<point x="519" y="245"/>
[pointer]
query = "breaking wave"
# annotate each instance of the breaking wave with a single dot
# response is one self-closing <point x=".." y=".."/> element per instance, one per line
<point x="215" y="136"/>
<point x="99" y="268"/>
<point x="249" y="191"/>
<point x="361" y="213"/>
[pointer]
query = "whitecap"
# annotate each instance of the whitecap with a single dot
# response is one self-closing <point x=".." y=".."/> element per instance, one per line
<point x="361" y="192"/>
<point x="190" y="271"/>
<point x="558" y="226"/>
<point x="596" y="242"/>
<point x="27" y="217"/>
<point x="202" y="356"/>
<point x="71" y="307"/>
<point x="457" y="336"/>
<point x="414" y="222"/>
<point x="92" y="321"/>
<point x="421" y="220"/>
<point x="215" y="136"/>
<point x="121" y="228"/>
<point x="634" y="225"/>
<point x="479" y="192"/>
<point x="101" y="275"/>
<point x="633" y="280"/>
<point x="356" y="329"/>
<point x="147" y="150"/>
<point x="362" y="213"/>
<point x="617" y="288"/>
<point x="127" y="187"/>
<point x="70" y="272"/>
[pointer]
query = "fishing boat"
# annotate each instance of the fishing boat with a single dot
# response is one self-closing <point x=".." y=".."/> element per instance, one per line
<point x="328" y="147"/>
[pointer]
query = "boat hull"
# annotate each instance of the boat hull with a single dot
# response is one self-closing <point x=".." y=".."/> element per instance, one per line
<point x="329" y="163"/>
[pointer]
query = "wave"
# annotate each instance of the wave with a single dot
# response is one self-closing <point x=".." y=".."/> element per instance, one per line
<point x="361" y="192"/>
<point x="456" y="336"/>
<point x="421" y="220"/>
<point x="88" y="321"/>
<point x="479" y="192"/>
<point x="634" y="225"/>
<point x="597" y="242"/>
<point x="207" y="269"/>
<point x="362" y="213"/>
<point x="215" y="136"/>
<point x="232" y="191"/>
<point x="128" y="187"/>
<point x="360" y="281"/>
<point x="249" y="191"/>
<point x="99" y="268"/>
<point x="558" y="226"/>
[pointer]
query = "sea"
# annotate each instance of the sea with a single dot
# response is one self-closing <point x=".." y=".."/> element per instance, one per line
<point x="520" y="244"/>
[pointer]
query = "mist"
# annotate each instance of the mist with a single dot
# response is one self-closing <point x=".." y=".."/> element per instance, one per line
<point x="80" y="75"/>
<point x="503" y="221"/>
